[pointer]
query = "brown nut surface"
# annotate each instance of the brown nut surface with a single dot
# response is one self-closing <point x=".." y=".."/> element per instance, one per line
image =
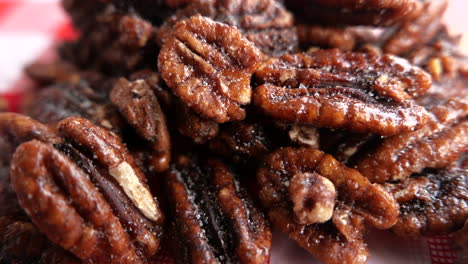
<point x="432" y="203"/>
<point x="339" y="240"/>
<point x="330" y="88"/>
<point x="63" y="100"/>
<point x="192" y="125"/>
<point x="264" y="22"/>
<point x="355" y="12"/>
<point x="140" y="107"/>
<point x="208" y="65"/>
<point x="436" y="145"/>
<point x="67" y="218"/>
<point x="115" y="44"/>
<point x="417" y="31"/>
<point x="216" y="221"/>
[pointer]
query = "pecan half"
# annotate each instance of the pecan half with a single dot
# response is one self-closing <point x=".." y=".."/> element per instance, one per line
<point x="94" y="200"/>
<point x="140" y="107"/>
<point x="433" y="203"/>
<point x="330" y="88"/>
<point x="62" y="100"/>
<point x="191" y="125"/>
<point x="116" y="44"/>
<point x="436" y="145"/>
<point x="208" y="65"/>
<point x="356" y="12"/>
<point x="216" y="222"/>
<point x="299" y="186"/>
<point x="264" y="22"/>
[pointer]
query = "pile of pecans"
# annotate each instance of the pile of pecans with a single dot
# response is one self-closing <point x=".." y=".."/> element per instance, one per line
<point x="198" y="125"/>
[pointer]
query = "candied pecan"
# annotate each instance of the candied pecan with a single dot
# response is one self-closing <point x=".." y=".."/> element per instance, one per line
<point x="356" y="12"/>
<point x="153" y="79"/>
<point x="116" y="44"/>
<point x="243" y="141"/>
<point x="329" y="88"/>
<point x="191" y="125"/>
<point x="48" y="73"/>
<point x="216" y="221"/>
<point x="329" y="37"/>
<point x="127" y="225"/>
<point x="436" y="145"/>
<point x="433" y="203"/>
<point x="62" y="100"/>
<point x="57" y="255"/>
<point x="208" y="65"/>
<point x="16" y="129"/>
<point x="264" y="22"/>
<point x="417" y="31"/>
<point x="340" y="239"/>
<point x="140" y="107"/>
<point x="83" y="12"/>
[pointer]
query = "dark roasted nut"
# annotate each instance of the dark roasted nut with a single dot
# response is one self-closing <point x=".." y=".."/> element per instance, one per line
<point x="62" y="100"/>
<point x="140" y="107"/>
<point x="127" y="226"/>
<point x="57" y="255"/>
<point x="330" y="88"/>
<point x="356" y="12"/>
<point x="285" y="179"/>
<point x="116" y="44"/>
<point x="433" y="203"/>
<point x="83" y="12"/>
<point x="16" y="129"/>
<point x="264" y="22"/>
<point x="215" y="220"/>
<point x="419" y="30"/>
<point x="191" y="125"/>
<point x="90" y="231"/>
<point x="208" y="65"/>
<point x="20" y="241"/>
<point x="328" y="37"/>
<point x="152" y="78"/>
<point x="242" y="142"/>
<point x="436" y="145"/>
<point x="48" y="73"/>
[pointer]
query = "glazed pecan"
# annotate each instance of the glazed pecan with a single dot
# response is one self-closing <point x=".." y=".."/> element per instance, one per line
<point x="83" y="13"/>
<point x="330" y="88"/>
<point x="48" y="73"/>
<point x="140" y="107"/>
<point x="116" y="44"/>
<point x="57" y="255"/>
<point x="417" y="31"/>
<point x="127" y="225"/>
<point x="299" y="186"/>
<point x="355" y="12"/>
<point x="215" y="220"/>
<point x="191" y="125"/>
<point x="264" y="22"/>
<point x="243" y="141"/>
<point x="62" y="100"/>
<point x="208" y="65"/>
<point x="436" y="145"/>
<point x="433" y="203"/>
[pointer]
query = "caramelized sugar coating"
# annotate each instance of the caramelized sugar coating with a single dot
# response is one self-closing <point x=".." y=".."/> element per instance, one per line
<point x="115" y="44"/>
<point x="215" y="220"/>
<point x="330" y="88"/>
<point x="96" y="202"/>
<point x="436" y="145"/>
<point x="417" y="31"/>
<point x="335" y="237"/>
<point x="139" y="105"/>
<point x="243" y="141"/>
<point x="355" y="12"/>
<point x="208" y="65"/>
<point x="264" y="22"/>
<point x="192" y="125"/>
<point x="62" y="100"/>
<point x="432" y="203"/>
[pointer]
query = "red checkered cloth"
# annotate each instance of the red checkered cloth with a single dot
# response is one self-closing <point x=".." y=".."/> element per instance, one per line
<point x="29" y="29"/>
